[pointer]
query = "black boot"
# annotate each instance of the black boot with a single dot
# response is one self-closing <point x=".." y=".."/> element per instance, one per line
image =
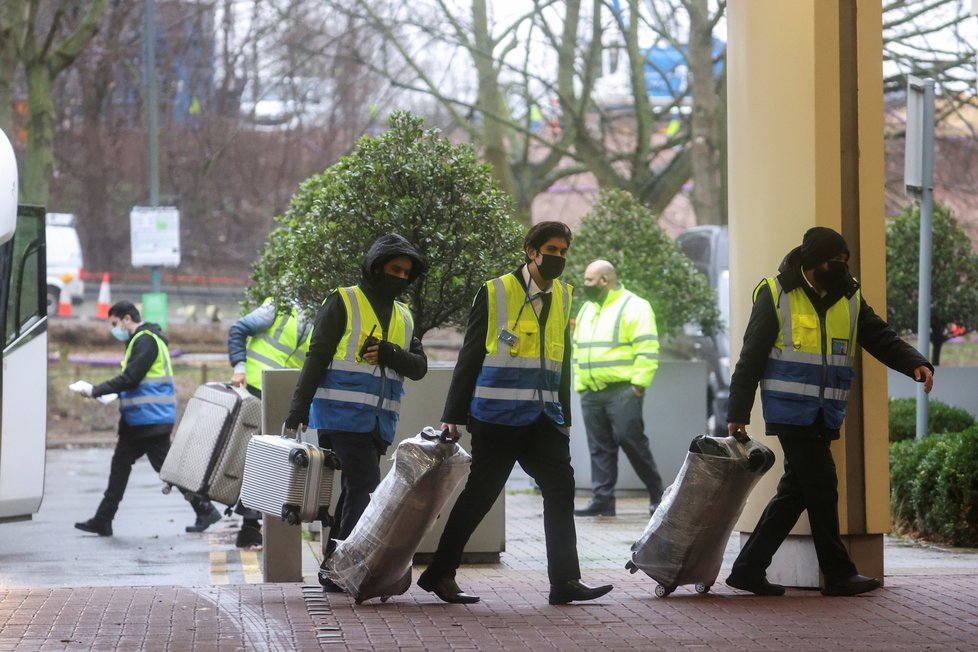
<point x="96" y="526"/>
<point x="204" y="520"/>
<point x="250" y="534"/>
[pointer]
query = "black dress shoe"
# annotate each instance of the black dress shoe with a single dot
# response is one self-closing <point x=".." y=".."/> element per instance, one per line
<point x="95" y="526"/>
<point x="445" y="588"/>
<point x="204" y="521"/>
<point x="756" y="585"/>
<point x="596" y="509"/>
<point x="576" y="591"/>
<point x="851" y="585"/>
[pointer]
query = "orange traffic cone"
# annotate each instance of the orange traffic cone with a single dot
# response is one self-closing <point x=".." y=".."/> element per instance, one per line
<point x="64" y="302"/>
<point x="104" y="298"/>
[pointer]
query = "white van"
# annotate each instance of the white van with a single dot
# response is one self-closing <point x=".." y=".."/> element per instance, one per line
<point x="64" y="260"/>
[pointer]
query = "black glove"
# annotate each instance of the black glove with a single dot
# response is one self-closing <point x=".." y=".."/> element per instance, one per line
<point x="294" y="420"/>
<point x="387" y="352"/>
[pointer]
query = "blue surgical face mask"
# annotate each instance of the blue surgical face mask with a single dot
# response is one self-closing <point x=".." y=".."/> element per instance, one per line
<point x="120" y="333"/>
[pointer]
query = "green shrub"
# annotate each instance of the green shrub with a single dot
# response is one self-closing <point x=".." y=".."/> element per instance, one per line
<point x="941" y="418"/>
<point x="409" y="181"/>
<point x="622" y="231"/>
<point x="934" y="487"/>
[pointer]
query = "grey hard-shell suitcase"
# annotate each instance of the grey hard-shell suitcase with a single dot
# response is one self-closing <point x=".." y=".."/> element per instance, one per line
<point x="375" y="559"/>
<point x="288" y="478"/>
<point x="685" y="539"/>
<point x="208" y="449"/>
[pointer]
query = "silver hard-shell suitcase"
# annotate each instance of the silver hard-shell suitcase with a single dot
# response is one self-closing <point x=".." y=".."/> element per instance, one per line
<point x="375" y="560"/>
<point x="685" y="539"/>
<point x="208" y="449"/>
<point x="288" y="478"/>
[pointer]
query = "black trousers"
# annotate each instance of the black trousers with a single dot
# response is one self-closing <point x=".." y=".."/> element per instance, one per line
<point x="544" y="453"/>
<point x="359" y="454"/>
<point x="127" y="450"/>
<point x="809" y="482"/>
<point x="613" y="420"/>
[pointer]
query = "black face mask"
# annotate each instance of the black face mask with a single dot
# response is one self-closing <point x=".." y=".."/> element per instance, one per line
<point x="391" y="286"/>
<point x="835" y="279"/>
<point x="592" y="292"/>
<point x="552" y="266"/>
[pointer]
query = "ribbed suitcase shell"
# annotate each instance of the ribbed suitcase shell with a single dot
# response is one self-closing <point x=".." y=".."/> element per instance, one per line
<point x="276" y="479"/>
<point x="208" y="450"/>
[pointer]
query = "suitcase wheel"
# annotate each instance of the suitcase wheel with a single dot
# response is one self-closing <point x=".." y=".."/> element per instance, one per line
<point x="167" y="488"/>
<point x="331" y="460"/>
<point x="702" y="587"/>
<point x="631" y="567"/>
<point x="661" y="591"/>
<point x="290" y="515"/>
<point x="298" y="457"/>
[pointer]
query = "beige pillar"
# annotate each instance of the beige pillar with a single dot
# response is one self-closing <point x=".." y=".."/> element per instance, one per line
<point x="805" y="111"/>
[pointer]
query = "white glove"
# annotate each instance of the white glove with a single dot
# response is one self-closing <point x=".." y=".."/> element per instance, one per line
<point x="82" y="387"/>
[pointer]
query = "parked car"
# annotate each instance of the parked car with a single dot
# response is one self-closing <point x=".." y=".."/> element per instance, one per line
<point x="707" y="247"/>
<point x="64" y="260"/>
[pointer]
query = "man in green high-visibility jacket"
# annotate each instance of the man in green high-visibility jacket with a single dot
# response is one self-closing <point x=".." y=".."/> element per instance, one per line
<point x="616" y="355"/>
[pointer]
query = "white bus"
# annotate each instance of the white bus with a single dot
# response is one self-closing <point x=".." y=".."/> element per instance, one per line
<point x="24" y="351"/>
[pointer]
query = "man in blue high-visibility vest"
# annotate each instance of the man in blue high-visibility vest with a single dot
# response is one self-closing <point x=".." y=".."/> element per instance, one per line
<point x="148" y="410"/>
<point x="362" y="348"/>
<point x="800" y="347"/>
<point x="511" y="387"/>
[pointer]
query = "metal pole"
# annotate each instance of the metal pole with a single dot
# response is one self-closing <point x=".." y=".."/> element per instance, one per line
<point x="149" y="64"/>
<point x="926" y="246"/>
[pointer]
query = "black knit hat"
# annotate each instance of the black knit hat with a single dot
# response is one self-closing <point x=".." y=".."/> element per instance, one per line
<point x="819" y="245"/>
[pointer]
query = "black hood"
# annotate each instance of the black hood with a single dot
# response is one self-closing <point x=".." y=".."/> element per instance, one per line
<point x="153" y="328"/>
<point x="391" y="246"/>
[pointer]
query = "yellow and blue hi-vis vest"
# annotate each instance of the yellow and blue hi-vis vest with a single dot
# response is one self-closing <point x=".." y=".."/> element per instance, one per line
<point x="810" y="367"/>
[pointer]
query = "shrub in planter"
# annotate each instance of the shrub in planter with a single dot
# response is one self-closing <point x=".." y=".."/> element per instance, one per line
<point x="941" y="418"/>
<point x="408" y="180"/>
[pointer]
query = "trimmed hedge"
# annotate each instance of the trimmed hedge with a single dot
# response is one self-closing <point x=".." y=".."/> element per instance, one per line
<point x="941" y="418"/>
<point x="934" y="487"/>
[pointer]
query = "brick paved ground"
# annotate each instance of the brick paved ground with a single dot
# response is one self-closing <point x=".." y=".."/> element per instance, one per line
<point x="935" y="608"/>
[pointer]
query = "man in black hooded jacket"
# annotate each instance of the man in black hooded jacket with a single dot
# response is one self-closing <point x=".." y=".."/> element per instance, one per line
<point x="799" y="347"/>
<point x="350" y="386"/>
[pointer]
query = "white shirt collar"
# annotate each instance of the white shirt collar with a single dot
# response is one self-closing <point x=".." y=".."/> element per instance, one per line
<point x="531" y="286"/>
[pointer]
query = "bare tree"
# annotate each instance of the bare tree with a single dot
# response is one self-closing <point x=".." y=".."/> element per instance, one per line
<point x="47" y="40"/>
<point x="551" y="56"/>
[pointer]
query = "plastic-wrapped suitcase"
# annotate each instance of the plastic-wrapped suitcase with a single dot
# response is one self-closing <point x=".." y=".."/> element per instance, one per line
<point x="288" y="478"/>
<point x="685" y="540"/>
<point x="208" y="449"/>
<point x="376" y="559"/>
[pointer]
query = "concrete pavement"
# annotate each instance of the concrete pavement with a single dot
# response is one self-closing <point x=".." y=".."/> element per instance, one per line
<point x="153" y="587"/>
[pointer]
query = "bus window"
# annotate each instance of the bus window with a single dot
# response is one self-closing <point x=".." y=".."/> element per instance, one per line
<point x="26" y="298"/>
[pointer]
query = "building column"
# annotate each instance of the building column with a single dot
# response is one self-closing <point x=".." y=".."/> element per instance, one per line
<point x="805" y="124"/>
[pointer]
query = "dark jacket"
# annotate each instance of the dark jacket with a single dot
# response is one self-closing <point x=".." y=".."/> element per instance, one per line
<point x="330" y="326"/>
<point x="473" y="354"/>
<point x="144" y="353"/>
<point x="873" y="334"/>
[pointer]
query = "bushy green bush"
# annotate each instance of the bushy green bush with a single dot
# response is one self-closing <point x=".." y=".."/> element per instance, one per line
<point x="934" y="487"/>
<point x="409" y="181"/>
<point x="941" y="418"/>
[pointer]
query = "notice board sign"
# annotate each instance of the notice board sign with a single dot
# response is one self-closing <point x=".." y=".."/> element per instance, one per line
<point x="155" y="236"/>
